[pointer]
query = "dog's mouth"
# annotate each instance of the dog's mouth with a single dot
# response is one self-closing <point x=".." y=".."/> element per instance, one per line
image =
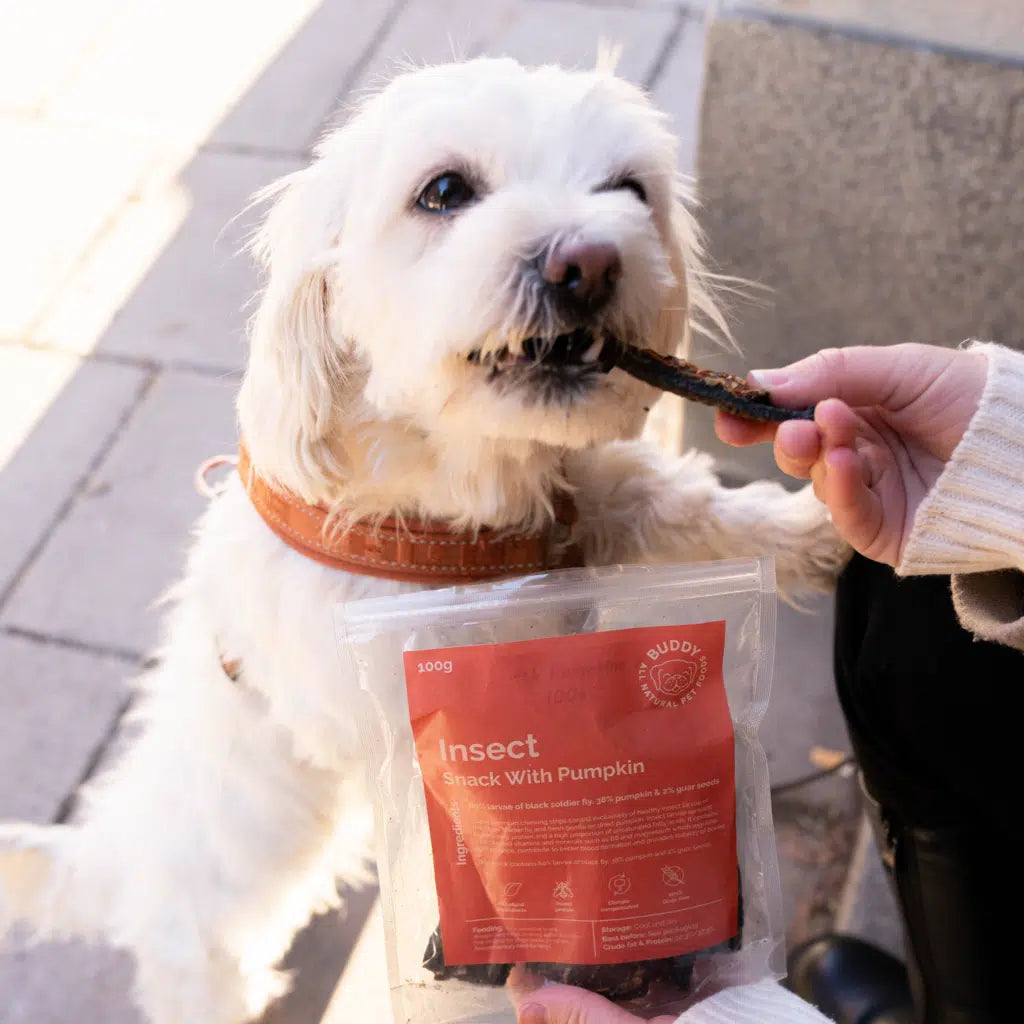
<point x="567" y="357"/>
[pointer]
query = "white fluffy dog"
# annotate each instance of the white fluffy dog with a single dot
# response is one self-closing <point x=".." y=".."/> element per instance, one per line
<point x="441" y="282"/>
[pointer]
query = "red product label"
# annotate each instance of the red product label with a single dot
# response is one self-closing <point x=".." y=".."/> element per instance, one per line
<point x="581" y="795"/>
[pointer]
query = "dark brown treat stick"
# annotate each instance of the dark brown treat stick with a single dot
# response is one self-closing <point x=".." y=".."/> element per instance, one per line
<point x="709" y="387"/>
<point x="617" y="982"/>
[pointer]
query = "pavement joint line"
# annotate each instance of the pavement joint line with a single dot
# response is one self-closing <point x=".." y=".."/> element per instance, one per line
<point x="69" y="803"/>
<point x="68" y="643"/>
<point x="138" y="362"/>
<point x="216" y="148"/>
<point x="208" y="370"/>
<point x="79" y="485"/>
<point x="668" y="48"/>
<point x="144" y="363"/>
<point x="355" y="72"/>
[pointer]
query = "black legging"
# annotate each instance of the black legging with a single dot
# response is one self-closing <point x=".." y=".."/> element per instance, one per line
<point x="928" y="706"/>
<point x="930" y="714"/>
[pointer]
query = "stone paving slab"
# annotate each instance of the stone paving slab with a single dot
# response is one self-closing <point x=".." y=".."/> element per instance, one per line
<point x="58" y="706"/>
<point x="533" y="31"/>
<point x="679" y="85"/>
<point x="57" y="413"/>
<point x="816" y="827"/>
<point x="301" y="87"/>
<point x="192" y="305"/>
<point x="569" y="34"/>
<point x="35" y="60"/>
<point x="804" y="710"/>
<point x="124" y="541"/>
<point x="188" y="63"/>
<point x="67" y="983"/>
<point x="362" y="993"/>
<point x="421" y="34"/>
<point x="348" y="942"/>
<point x="105" y="279"/>
<point x="50" y="214"/>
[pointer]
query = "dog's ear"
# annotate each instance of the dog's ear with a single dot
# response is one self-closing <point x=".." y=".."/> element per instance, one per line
<point x="292" y="398"/>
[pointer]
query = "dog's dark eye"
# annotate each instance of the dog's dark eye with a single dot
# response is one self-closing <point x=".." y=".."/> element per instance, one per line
<point x="635" y="187"/>
<point x="447" y="193"/>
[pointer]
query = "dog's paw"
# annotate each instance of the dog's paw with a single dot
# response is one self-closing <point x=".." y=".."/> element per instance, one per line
<point x="815" y="554"/>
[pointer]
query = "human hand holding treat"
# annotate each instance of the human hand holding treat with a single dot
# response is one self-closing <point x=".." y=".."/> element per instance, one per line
<point x="708" y="387"/>
<point x="886" y="424"/>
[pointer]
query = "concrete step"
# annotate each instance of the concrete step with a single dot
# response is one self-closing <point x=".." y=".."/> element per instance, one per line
<point x="871" y="185"/>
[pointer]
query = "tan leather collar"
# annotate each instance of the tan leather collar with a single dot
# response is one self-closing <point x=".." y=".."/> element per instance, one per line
<point x="415" y="551"/>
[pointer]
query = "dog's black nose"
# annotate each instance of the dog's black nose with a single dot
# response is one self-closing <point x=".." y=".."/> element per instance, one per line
<point x="583" y="273"/>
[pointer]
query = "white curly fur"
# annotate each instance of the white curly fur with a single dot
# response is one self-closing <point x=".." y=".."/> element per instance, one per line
<point x="238" y="807"/>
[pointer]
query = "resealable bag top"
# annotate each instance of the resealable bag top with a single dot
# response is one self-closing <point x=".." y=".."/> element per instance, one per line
<point x="568" y="777"/>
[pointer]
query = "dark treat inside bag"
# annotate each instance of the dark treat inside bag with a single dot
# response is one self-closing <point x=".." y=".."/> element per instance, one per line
<point x="617" y="982"/>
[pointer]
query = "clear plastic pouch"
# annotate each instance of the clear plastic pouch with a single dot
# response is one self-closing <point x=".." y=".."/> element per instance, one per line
<point x="568" y="775"/>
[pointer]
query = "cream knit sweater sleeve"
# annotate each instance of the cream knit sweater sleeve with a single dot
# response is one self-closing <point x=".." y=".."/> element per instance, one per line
<point x="767" y="1002"/>
<point x="971" y="524"/>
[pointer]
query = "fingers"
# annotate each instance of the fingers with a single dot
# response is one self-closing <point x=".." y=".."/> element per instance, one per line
<point x="521" y="983"/>
<point x="560" y="1006"/>
<point x="796" y="442"/>
<point x="532" y="1013"/>
<point x="824" y="452"/>
<point x="565" y="1004"/>
<point x="797" y="447"/>
<point x="836" y="423"/>
<point x="857" y="376"/>
<point x="840" y="477"/>
<point x="540" y="1003"/>
<point x="856" y="510"/>
<point x="740" y="433"/>
<point x="836" y="451"/>
<point x="799" y="444"/>
<point x="861" y="375"/>
<point x="929" y="393"/>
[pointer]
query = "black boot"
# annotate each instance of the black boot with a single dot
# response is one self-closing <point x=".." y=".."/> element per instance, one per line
<point x="954" y="895"/>
<point x="850" y="981"/>
<point x="963" y="961"/>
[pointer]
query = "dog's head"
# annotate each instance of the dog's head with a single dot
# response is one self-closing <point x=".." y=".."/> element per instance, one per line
<point x="459" y="262"/>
